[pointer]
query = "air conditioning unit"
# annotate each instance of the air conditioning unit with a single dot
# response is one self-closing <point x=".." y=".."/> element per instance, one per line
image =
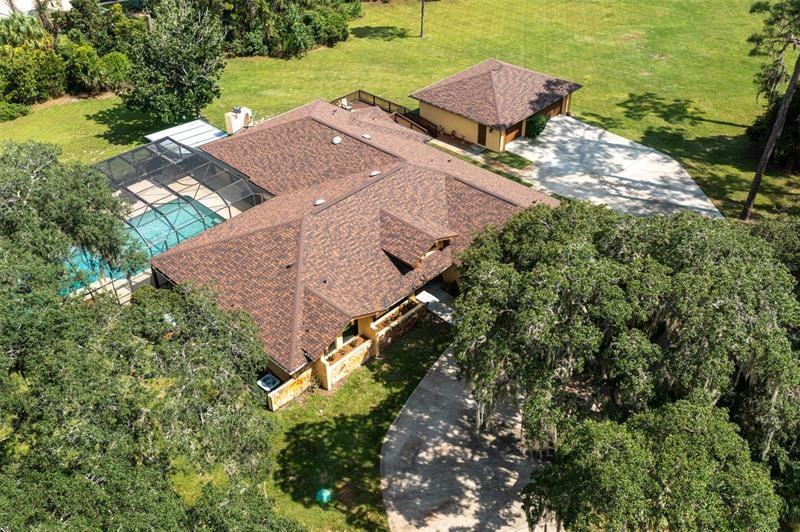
<point x="238" y="118"/>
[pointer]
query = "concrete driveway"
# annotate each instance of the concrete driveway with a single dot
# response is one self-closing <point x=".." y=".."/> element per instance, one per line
<point x="437" y="474"/>
<point x="576" y="160"/>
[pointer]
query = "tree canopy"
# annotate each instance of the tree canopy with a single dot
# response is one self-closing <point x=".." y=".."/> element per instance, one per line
<point x="143" y="416"/>
<point x="175" y="71"/>
<point x="682" y="466"/>
<point x="590" y="314"/>
<point x="46" y="207"/>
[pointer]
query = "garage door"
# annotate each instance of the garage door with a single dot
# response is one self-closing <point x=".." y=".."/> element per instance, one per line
<point x="553" y="110"/>
<point x="513" y="132"/>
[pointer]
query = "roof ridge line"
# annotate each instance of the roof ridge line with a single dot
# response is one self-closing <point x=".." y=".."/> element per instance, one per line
<point x="426" y="87"/>
<point x="422" y="230"/>
<point x="311" y="105"/>
<point x="391" y="171"/>
<point x="481" y="187"/>
<point x="327" y="300"/>
<point x="495" y="96"/>
<point x="247" y="233"/>
<point x="349" y="133"/>
<point x="405" y="221"/>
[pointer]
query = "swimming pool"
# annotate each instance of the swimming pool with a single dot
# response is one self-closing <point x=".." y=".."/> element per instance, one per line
<point x="173" y="222"/>
<point x="156" y="231"/>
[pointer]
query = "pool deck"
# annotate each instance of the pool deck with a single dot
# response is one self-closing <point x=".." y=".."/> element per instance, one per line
<point x="155" y="195"/>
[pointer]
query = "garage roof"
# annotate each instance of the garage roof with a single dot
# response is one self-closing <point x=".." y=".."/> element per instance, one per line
<point x="495" y="93"/>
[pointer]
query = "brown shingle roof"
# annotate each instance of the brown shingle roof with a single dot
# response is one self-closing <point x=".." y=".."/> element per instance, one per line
<point x="495" y="93"/>
<point x="409" y="240"/>
<point x="304" y="270"/>
<point x="301" y="148"/>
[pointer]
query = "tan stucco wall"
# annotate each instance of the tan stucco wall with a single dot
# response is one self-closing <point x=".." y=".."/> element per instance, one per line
<point x="451" y="275"/>
<point x="463" y="128"/>
<point x="347" y="364"/>
<point x="292" y="388"/>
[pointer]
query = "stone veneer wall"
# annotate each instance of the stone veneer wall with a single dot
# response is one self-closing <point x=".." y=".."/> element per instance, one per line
<point x="347" y="364"/>
<point x="292" y="388"/>
<point x="398" y="329"/>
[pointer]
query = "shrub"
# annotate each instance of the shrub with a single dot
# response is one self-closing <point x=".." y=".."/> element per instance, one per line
<point x="22" y="31"/>
<point x="10" y="111"/>
<point x="297" y="38"/>
<point x="353" y="10"/>
<point x="251" y="43"/>
<point x="328" y="25"/>
<point x="84" y="71"/>
<point x="115" y="68"/>
<point x="107" y="30"/>
<point x="32" y="75"/>
<point x="535" y="126"/>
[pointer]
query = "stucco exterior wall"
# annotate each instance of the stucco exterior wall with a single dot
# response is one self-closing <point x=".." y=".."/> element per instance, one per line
<point x="293" y="387"/>
<point x="347" y="364"/>
<point x="458" y="126"/>
<point x="451" y="274"/>
<point x="326" y="375"/>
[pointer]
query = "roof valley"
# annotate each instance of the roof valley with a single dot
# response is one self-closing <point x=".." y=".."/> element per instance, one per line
<point x="297" y="307"/>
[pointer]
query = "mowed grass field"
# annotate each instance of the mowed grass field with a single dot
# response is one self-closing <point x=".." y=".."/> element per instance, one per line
<point x="673" y="74"/>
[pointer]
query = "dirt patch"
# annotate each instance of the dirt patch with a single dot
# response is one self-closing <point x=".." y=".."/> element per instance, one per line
<point x="633" y="36"/>
<point x="71" y="98"/>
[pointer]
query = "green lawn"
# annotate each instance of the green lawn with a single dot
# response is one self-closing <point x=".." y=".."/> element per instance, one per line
<point x="511" y="159"/>
<point x="674" y="74"/>
<point x="333" y="439"/>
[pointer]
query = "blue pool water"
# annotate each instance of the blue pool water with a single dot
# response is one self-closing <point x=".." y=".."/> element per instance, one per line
<point x="156" y="231"/>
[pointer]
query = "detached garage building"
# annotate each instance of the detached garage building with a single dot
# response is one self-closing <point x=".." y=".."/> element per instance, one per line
<point x="489" y="103"/>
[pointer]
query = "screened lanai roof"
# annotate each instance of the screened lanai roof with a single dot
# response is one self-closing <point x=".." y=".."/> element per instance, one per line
<point x="176" y="192"/>
<point x="195" y="133"/>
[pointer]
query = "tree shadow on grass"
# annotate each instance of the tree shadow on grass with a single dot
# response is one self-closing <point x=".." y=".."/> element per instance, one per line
<point x="675" y="111"/>
<point x="125" y="126"/>
<point x="709" y="159"/>
<point x="342" y="453"/>
<point x="383" y="33"/>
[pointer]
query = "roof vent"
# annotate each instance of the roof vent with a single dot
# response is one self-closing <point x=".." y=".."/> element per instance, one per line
<point x="336" y="140"/>
<point x="319" y="202"/>
<point x="366" y="136"/>
<point x="375" y="173"/>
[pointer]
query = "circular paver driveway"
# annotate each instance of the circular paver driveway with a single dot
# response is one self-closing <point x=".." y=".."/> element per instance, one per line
<point x="437" y="474"/>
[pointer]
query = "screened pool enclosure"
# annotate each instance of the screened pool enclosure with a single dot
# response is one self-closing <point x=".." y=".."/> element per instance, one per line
<point x="175" y="192"/>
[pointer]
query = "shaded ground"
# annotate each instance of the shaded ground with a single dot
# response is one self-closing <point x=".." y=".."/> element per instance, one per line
<point x="575" y="160"/>
<point x="333" y="439"/>
<point x="438" y="474"/>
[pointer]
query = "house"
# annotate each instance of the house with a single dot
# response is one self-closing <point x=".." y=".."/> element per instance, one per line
<point x="364" y="214"/>
<point x="488" y="104"/>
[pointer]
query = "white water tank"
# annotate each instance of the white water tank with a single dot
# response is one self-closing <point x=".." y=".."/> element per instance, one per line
<point x="237" y="119"/>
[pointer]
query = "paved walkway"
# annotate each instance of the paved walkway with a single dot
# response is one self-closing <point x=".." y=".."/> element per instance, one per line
<point x="437" y="474"/>
<point x="576" y="160"/>
<point x="438" y="301"/>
